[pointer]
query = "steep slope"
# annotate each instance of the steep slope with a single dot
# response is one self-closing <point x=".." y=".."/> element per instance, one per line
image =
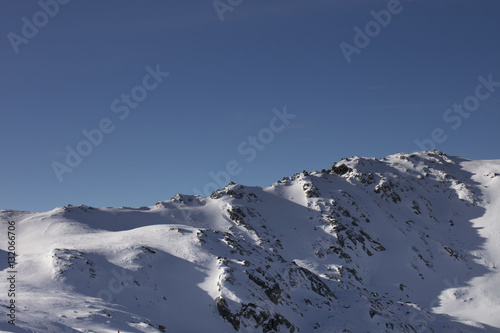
<point x="407" y="243"/>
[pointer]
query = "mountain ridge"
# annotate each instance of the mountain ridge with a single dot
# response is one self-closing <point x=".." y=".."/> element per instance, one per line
<point x="406" y="243"/>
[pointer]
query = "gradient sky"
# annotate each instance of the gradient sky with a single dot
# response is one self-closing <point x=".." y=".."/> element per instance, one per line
<point x="225" y="79"/>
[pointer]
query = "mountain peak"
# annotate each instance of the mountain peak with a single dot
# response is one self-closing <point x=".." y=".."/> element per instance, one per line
<point x="404" y="243"/>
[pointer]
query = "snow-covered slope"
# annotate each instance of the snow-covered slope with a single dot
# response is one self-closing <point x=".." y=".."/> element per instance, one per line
<point x="406" y="243"/>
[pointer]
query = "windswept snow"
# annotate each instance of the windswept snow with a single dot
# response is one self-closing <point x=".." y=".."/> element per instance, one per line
<point x="407" y="243"/>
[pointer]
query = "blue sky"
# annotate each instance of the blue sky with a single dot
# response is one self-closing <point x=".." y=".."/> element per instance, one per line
<point x="225" y="79"/>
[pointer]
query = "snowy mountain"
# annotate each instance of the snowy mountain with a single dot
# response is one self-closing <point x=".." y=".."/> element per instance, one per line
<point x="406" y="243"/>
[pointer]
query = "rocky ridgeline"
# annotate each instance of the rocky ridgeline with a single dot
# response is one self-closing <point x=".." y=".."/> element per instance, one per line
<point x="279" y="294"/>
<point x="362" y="246"/>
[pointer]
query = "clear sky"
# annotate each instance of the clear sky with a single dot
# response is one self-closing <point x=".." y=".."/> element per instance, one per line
<point x="344" y="78"/>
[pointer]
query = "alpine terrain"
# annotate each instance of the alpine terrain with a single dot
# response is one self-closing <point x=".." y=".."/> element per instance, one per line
<point x="406" y="243"/>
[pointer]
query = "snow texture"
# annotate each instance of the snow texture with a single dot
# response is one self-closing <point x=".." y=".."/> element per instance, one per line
<point x="406" y="243"/>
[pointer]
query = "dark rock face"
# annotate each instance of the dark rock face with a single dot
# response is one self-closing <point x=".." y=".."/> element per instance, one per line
<point x="340" y="169"/>
<point x="225" y="313"/>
